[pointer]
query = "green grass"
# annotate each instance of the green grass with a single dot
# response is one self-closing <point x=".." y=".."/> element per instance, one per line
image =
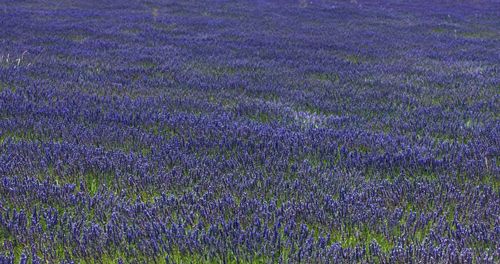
<point x="438" y="30"/>
<point x="147" y="64"/>
<point x="352" y="236"/>
<point x="325" y="77"/>
<point x="481" y="34"/>
<point x="355" y="59"/>
<point x="6" y="86"/>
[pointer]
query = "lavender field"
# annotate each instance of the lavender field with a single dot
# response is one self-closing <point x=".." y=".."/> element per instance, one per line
<point x="155" y="131"/>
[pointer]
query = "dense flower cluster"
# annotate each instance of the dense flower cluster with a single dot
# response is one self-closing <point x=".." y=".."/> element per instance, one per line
<point x="249" y="131"/>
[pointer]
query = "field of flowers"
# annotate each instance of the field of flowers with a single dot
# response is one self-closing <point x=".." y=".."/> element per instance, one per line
<point x="249" y="131"/>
